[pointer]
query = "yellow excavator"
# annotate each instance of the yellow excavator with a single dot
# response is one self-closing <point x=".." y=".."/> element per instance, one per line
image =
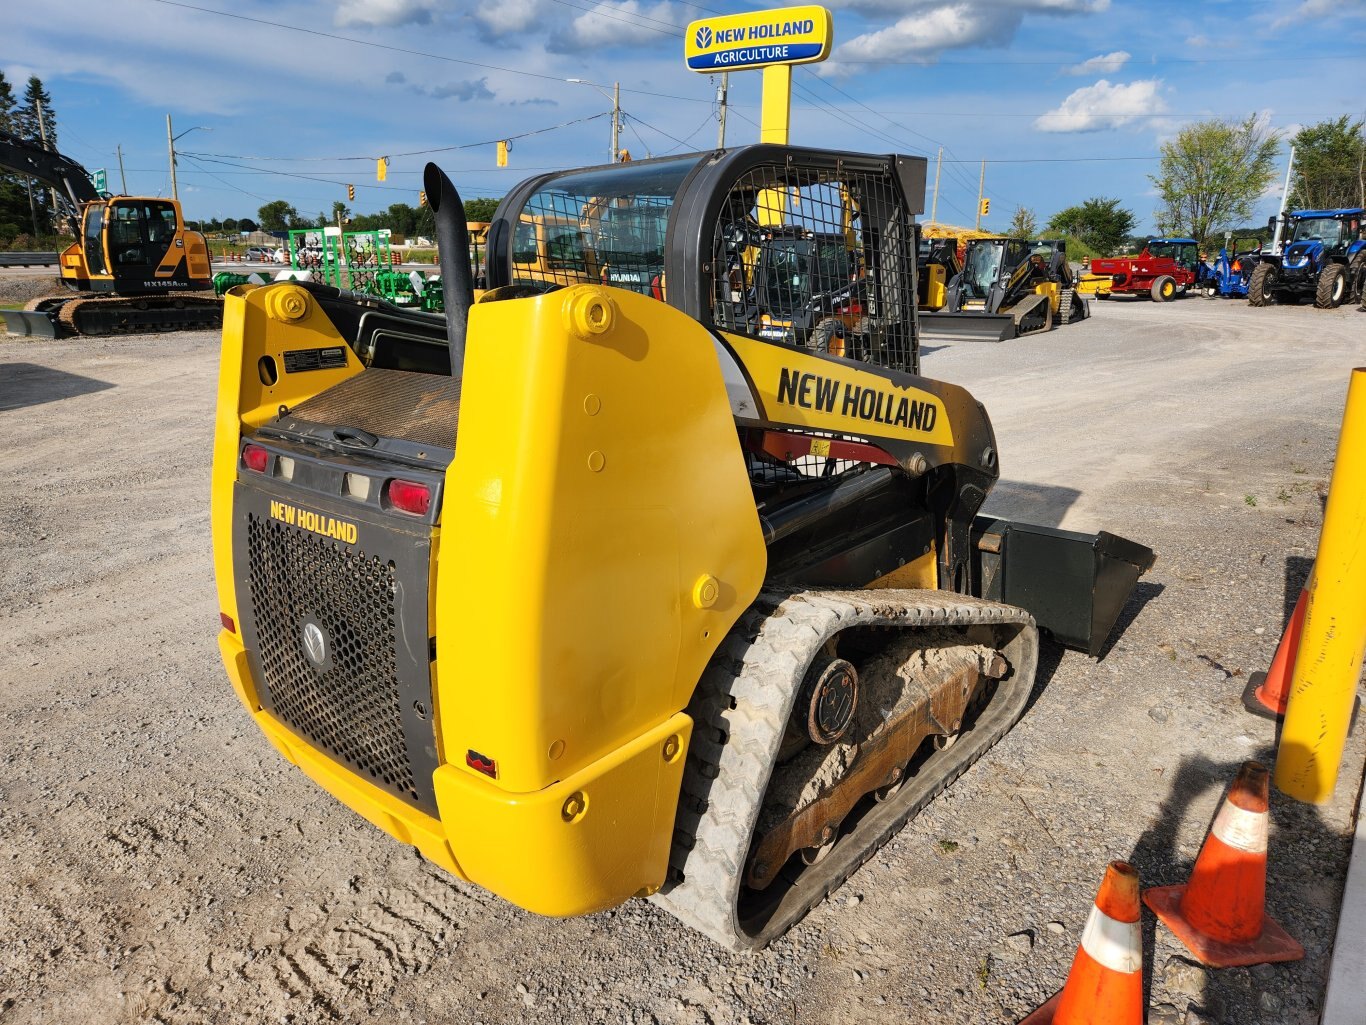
<point x="133" y="266"/>
<point x="590" y="593"/>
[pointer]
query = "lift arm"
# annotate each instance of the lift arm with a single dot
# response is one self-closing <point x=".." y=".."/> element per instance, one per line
<point x="60" y="172"/>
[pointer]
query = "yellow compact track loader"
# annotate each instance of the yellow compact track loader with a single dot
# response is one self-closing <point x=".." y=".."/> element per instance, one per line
<point x="1007" y="287"/>
<point x="588" y="593"/>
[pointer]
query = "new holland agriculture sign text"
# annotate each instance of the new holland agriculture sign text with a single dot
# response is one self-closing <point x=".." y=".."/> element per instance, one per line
<point x="789" y="35"/>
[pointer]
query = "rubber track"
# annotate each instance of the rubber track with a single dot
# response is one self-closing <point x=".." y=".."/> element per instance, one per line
<point x="212" y="305"/>
<point x="740" y="711"/>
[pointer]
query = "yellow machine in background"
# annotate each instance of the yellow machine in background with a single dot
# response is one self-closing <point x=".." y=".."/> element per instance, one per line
<point x="695" y="613"/>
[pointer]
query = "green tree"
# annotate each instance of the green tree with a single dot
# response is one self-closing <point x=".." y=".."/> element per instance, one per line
<point x="339" y="212"/>
<point x="481" y="208"/>
<point x="1023" y="223"/>
<point x="13" y="198"/>
<point x="1102" y="224"/>
<point x="277" y="215"/>
<point x="1330" y="166"/>
<point x="25" y="123"/>
<point x="1212" y="175"/>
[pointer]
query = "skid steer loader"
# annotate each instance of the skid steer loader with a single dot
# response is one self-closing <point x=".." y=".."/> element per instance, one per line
<point x="589" y="594"/>
<point x="1008" y="287"/>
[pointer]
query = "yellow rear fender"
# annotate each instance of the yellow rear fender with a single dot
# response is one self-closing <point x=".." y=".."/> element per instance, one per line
<point x="598" y="537"/>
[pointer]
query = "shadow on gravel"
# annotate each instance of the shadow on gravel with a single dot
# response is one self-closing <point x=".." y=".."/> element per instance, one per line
<point x="1144" y="591"/>
<point x="28" y="384"/>
<point x="1306" y="862"/>
<point x="1297" y="569"/>
<point x="1041" y="504"/>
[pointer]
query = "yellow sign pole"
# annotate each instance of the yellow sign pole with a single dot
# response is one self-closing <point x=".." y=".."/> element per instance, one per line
<point x="1328" y="666"/>
<point x="775" y="116"/>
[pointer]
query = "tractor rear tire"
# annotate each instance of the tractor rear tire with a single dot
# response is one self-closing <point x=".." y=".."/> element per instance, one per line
<point x="1261" y="287"/>
<point x="1164" y="289"/>
<point x="1332" y="287"/>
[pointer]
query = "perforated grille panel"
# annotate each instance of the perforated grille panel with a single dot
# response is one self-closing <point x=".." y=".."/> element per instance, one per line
<point x="345" y="700"/>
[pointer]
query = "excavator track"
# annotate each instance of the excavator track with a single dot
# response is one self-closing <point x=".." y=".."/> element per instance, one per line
<point x="90" y="313"/>
<point x="742" y="710"/>
<point x="114" y="314"/>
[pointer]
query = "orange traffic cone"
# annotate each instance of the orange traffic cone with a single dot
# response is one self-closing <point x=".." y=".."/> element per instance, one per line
<point x="1266" y="693"/>
<point x="1219" y="913"/>
<point x="1105" y="985"/>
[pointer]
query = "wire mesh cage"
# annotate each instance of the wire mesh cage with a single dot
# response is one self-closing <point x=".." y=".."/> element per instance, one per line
<point x="821" y="258"/>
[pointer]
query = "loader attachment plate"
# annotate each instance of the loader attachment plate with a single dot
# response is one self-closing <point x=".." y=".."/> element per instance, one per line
<point x="1074" y="585"/>
<point x="967" y="326"/>
<point x="29" y="323"/>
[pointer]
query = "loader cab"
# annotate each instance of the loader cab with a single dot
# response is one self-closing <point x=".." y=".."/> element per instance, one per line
<point x="1335" y="230"/>
<point x="988" y="262"/>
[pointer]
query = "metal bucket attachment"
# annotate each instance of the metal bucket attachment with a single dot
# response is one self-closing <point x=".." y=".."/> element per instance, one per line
<point x="1074" y="585"/>
<point x="966" y="327"/>
<point x="29" y="323"/>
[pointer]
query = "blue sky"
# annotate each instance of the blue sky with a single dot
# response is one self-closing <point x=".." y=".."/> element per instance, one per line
<point x="1065" y="99"/>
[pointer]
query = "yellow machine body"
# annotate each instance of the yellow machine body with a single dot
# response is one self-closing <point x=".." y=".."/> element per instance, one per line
<point x="600" y="646"/>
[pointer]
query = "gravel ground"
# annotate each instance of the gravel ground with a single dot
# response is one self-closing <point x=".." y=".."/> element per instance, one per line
<point x="164" y="864"/>
<point x="20" y="288"/>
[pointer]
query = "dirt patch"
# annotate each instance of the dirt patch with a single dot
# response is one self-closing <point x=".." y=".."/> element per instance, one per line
<point x="16" y="289"/>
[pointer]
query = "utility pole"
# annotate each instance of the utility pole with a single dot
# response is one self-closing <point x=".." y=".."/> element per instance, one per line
<point x="721" y="92"/>
<point x="42" y="131"/>
<point x="123" y="178"/>
<point x="981" y="185"/>
<point x="934" y="206"/>
<point x="170" y="148"/>
<point x="616" y="119"/>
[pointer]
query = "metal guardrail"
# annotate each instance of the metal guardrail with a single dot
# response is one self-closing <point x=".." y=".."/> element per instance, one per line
<point x="28" y="259"/>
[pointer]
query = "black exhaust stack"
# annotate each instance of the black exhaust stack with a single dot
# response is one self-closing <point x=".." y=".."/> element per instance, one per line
<point x="453" y="241"/>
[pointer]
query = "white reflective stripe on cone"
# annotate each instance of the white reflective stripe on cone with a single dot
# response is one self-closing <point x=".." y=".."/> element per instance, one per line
<point x="1240" y="828"/>
<point x="1113" y="944"/>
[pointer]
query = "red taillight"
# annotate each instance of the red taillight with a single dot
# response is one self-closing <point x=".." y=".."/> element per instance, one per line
<point x="410" y="497"/>
<point x="254" y="457"/>
<point x="227" y="622"/>
<point x="481" y="763"/>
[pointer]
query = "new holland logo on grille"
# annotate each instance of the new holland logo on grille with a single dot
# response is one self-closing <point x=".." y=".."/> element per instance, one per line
<point x="788" y="35"/>
<point x="317" y="523"/>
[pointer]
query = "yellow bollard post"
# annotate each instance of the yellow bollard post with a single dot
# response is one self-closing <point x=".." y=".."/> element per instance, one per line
<point x="1324" y="684"/>
<point x="775" y="114"/>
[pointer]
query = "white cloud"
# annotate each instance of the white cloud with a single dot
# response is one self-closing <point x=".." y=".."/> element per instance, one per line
<point x="511" y="16"/>
<point x="924" y="34"/>
<point x="1096" y="107"/>
<point x="925" y="27"/>
<point x="623" y="23"/>
<point x="383" y="13"/>
<point x="1106" y="64"/>
<point x="1312" y="10"/>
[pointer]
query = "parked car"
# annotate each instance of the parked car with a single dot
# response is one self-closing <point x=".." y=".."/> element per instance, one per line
<point x="258" y="254"/>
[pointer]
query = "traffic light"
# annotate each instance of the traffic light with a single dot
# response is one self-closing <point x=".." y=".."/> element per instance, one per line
<point x="986" y="207"/>
<point x="503" y="147"/>
<point x="382" y="169"/>
<point x="351" y="193"/>
<point x="422" y="199"/>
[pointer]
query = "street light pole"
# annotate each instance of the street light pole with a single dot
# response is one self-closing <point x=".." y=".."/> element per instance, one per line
<point x="616" y="111"/>
<point x="616" y="121"/>
<point x="170" y="146"/>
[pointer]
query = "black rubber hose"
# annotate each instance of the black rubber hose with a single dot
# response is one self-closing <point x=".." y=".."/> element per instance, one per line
<point x="453" y="241"/>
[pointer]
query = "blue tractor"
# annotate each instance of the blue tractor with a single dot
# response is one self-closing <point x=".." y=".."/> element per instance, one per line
<point x="1325" y="259"/>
